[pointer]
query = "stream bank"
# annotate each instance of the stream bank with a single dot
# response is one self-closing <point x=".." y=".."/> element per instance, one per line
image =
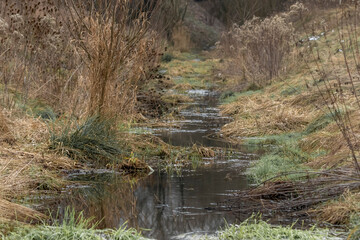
<point x="185" y="203"/>
<point x="171" y="205"/>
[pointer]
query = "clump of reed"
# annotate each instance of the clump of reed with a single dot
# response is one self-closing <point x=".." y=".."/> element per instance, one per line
<point x="95" y="139"/>
<point x="80" y="58"/>
<point x="119" y="51"/>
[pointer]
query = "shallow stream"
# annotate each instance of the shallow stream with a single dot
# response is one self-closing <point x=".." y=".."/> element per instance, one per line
<point x="176" y="205"/>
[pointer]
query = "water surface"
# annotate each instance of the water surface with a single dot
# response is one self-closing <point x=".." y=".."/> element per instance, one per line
<point x="176" y="205"/>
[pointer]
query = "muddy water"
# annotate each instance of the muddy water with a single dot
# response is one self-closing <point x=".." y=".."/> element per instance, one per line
<point x="169" y="206"/>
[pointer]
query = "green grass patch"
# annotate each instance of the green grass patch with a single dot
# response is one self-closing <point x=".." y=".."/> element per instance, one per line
<point x="195" y="82"/>
<point x="167" y="57"/>
<point x="291" y="91"/>
<point x="230" y="96"/>
<point x="272" y="165"/>
<point x="186" y="56"/>
<point x="94" y="140"/>
<point x="354" y="227"/>
<point x="284" y="156"/>
<point x="261" y="230"/>
<point x="278" y="140"/>
<point x="73" y="227"/>
<point x="319" y="123"/>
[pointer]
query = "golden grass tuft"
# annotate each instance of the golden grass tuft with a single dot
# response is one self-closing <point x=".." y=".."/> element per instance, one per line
<point x="14" y="212"/>
<point x="183" y="86"/>
<point x="339" y="212"/>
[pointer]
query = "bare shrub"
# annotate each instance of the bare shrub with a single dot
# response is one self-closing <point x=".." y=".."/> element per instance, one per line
<point x="258" y="48"/>
<point x="168" y="15"/>
<point x="181" y="38"/>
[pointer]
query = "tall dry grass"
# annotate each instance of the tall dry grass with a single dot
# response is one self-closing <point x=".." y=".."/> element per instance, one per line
<point x="117" y="47"/>
<point x="81" y="58"/>
<point x="35" y="51"/>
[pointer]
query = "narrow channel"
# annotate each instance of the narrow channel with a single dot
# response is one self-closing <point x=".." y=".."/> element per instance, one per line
<point x="170" y="206"/>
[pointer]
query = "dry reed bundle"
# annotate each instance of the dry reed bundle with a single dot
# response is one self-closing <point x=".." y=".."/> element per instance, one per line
<point x="294" y="198"/>
<point x="119" y="49"/>
<point x="14" y="212"/>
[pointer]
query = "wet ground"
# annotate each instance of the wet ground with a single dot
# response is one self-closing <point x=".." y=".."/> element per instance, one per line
<point x="176" y="205"/>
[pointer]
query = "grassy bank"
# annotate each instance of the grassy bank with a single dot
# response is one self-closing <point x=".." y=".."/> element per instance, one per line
<point x="40" y="144"/>
<point x="305" y="115"/>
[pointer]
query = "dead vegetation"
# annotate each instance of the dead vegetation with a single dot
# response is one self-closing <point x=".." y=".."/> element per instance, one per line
<point x="297" y="198"/>
<point x="259" y="115"/>
<point x="339" y="212"/>
<point x="25" y="169"/>
<point x="258" y="48"/>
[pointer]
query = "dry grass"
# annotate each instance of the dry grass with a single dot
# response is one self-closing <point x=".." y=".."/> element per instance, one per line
<point x="27" y="166"/>
<point x="14" y="212"/>
<point x="339" y="212"/>
<point x="261" y="115"/>
<point x="74" y="61"/>
<point x="6" y="135"/>
<point x="13" y="182"/>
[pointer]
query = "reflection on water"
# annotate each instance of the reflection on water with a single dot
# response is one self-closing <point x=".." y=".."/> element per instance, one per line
<point x="169" y="206"/>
